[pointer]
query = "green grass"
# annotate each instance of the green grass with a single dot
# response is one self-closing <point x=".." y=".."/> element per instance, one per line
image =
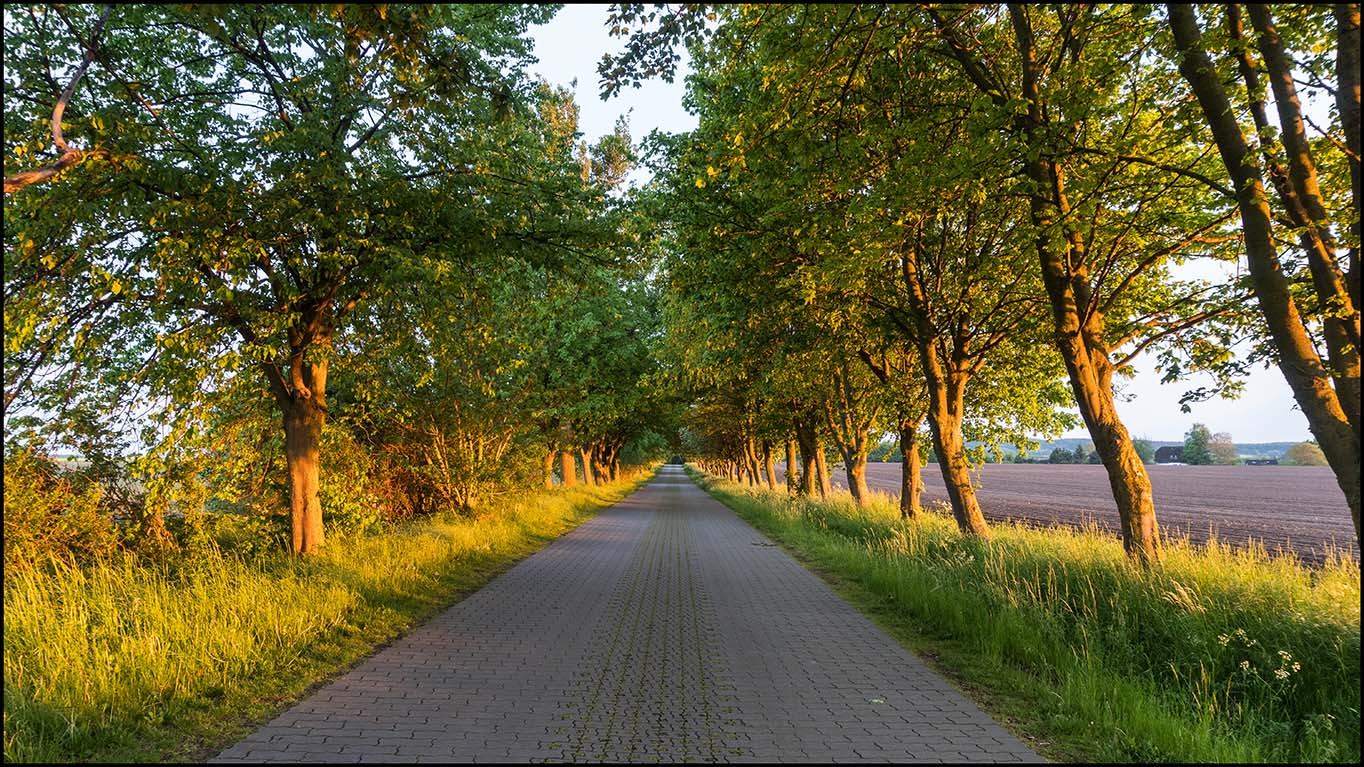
<point x="124" y="662"/>
<point x="1217" y="655"/>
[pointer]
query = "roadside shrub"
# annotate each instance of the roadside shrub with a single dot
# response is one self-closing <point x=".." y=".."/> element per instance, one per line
<point x="1305" y="454"/>
<point x="50" y="515"/>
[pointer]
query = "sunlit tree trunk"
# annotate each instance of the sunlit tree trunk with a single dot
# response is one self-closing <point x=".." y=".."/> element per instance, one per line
<point x="911" y="478"/>
<point x="822" y="470"/>
<point x="1078" y="324"/>
<point x="945" y="381"/>
<point x="945" y="411"/>
<point x="809" y="474"/>
<point x="567" y="470"/>
<point x="1298" y="359"/>
<point x="792" y="478"/>
<point x="585" y="455"/>
<point x="304" y="418"/>
<point x="769" y="469"/>
<point x="547" y="465"/>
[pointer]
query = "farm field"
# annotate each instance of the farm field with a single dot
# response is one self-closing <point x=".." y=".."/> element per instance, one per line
<point x="1294" y="507"/>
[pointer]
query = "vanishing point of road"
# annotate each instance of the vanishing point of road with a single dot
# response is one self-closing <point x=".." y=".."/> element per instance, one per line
<point x="664" y="629"/>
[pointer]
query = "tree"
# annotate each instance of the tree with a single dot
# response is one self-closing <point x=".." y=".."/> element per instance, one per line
<point x="1060" y="455"/>
<point x="1314" y="200"/>
<point x="1145" y="449"/>
<point x="1197" y="446"/>
<point x="1085" y="120"/>
<point x="269" y="170"/>
<point x="1224" y="452"/>
<point x="1305" y="454"/>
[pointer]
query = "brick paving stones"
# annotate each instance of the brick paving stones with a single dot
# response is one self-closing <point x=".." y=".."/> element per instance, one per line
<point x="663" y="630"/>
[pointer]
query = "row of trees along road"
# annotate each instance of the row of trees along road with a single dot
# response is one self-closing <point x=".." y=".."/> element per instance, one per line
<point x="350" y="255"/>
<point x="974" y="217"/>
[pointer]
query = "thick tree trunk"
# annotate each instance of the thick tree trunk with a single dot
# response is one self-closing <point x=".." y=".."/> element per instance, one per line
<point x="911" y="478"/>
<point x="792" y="478"/>
<point x="751" y="463"/>
<point x="768" y="468"/>
<point x="1308" y="212"/>
<point x="945" y="411"/>
<point x="1298" y="359"/>
<point x="857" y="479"/>
<point x="566" y="469"/>
<point x="548" y="466"/>
<point x="303" y="423"/>
<point x="945" y="384"/>
<point x="589" y="477"/>
<point x="1347" y="105"/>
<point x="1080" y="341"/>
<point x="809" y="474"/>
<point x="854" y="454"/>
<point x="822" y="471"/>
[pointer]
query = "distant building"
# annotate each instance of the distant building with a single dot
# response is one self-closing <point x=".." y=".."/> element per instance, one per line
<point x="1170" y="454"/>
<point x="1261" y="462"/>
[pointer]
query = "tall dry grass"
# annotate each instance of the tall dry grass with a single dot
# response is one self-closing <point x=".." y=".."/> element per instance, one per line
<point x="1218" y="654"/>
<point x="122" y="660"/>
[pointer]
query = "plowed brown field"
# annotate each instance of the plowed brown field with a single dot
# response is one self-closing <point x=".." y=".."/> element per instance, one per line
<point x="1294" y="507"/>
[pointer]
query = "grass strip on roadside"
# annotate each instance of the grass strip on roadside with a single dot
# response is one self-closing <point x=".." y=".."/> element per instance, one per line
<point x="125" y="662"/>
<point x="1216" y="655"/>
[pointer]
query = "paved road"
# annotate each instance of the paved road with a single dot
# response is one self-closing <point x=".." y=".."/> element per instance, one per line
<point x="664" y="629"/>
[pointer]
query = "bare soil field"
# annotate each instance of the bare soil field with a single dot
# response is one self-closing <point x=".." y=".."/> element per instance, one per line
<point x="1286" y="507"/>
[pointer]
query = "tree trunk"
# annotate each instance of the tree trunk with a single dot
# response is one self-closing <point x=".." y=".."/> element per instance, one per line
<point x="805" y="435"/>
<point x="585" y="454"/>
<point x="911" y="478"/>
<point x="1298" y="360"/>
<point x="945" y="383"/>
<point x="945" y="412"/>
<point x="566" y="470"/>
<point x="822" y="470"/>
<point x="548" y="465"/>
<point x="751" y="462"/>
<point x="855" y="464"/>
<point x="1061" y="251"/>
<point x="1308" y="212"/>
<point x="792" y="478"/>
<point x="303" y="423"/>
<point x="857" y="479"/>
<point x="1347" y="105"/>
<point x="768" y="467"/>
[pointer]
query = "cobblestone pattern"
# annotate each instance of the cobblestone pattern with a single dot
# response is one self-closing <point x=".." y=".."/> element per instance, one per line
<point x="665" y="629"/>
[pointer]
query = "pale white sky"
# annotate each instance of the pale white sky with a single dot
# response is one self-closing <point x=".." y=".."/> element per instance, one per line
<point x="572" y="43"/>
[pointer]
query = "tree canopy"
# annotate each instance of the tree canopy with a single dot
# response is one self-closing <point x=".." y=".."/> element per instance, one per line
<point x="271" y="258"/>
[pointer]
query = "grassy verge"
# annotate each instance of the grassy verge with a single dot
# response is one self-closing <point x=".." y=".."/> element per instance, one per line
<point x="124" y="662"/>
<point x="1219" y="655"/>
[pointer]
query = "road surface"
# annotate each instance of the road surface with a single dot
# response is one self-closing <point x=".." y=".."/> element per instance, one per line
<point x="664" y="629"/>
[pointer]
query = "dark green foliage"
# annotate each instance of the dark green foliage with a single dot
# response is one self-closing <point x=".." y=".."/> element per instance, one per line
<point x="1197" y="451"/>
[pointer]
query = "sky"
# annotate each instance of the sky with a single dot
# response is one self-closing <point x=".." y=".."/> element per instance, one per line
<point x="570" y="46"/>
